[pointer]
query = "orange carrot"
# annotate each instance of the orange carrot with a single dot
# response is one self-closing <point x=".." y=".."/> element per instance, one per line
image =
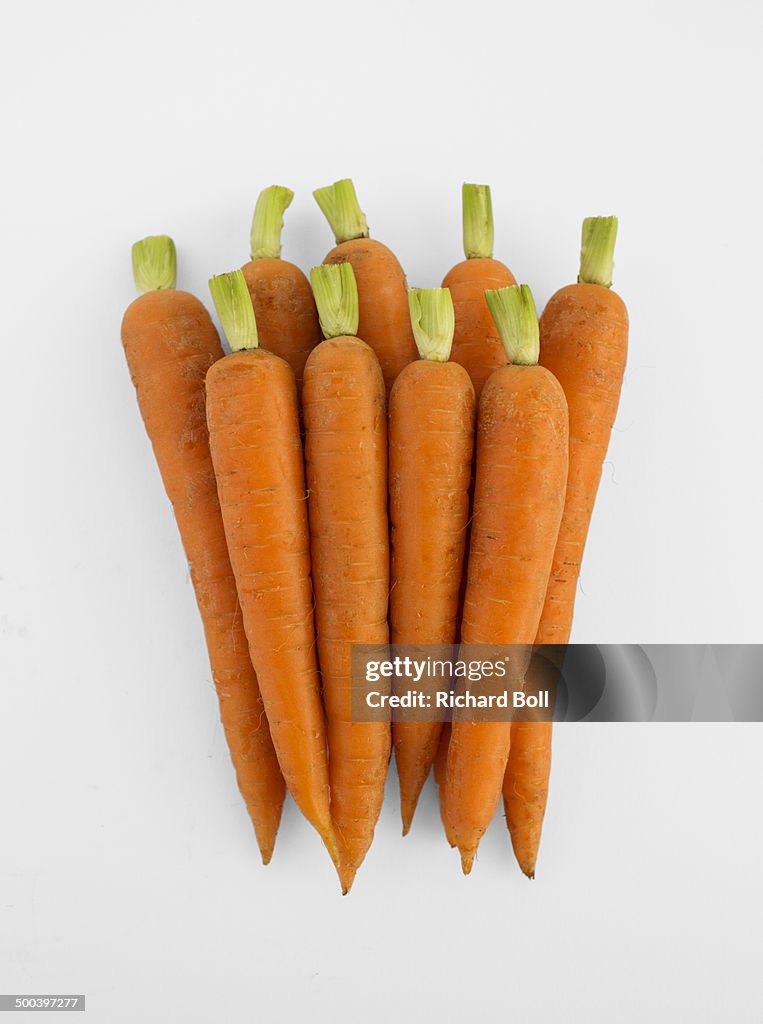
<point x="584" y="341"/>
<point x="476" y="343"/>
<point x="440" y="770"/>
<point x="431" y="425"/>
<point x="346" y="456"/>
<point x="257" y="454"/>
<point x="519" y="495"/>
<point x="170" y="343"/>
<point x="287" y="320"/>
<point x="383" y="321"/>
<point x="441" y="756"/>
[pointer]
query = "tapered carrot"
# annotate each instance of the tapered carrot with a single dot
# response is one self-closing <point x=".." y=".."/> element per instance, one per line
<point x="439" y="770"/>
<point x="431" y="433"/>
<point x="170" y="343"/>
<point x="441" y="755"/>
<point x="257" y="454"/>
<point x="476" y="343"/>
<point x="519" y="495"/>
<point x="346" y="456"/>
<point x="584" y="342"/>
<point x="383" y="319"/>
<point x="287" y="320"/>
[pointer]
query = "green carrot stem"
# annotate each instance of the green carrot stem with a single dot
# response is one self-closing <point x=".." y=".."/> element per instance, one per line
<point x="597" y="250"/>
<point x="478" y="221"/>
<point x="433" y="322"/>
<point x="513" y="310"/>
<point x="154" y="263"/>
<point x="234" y="307"/>
<point x="336" y="296"/>
<point x="340" y="207"/>
<point x="267" y="222"/>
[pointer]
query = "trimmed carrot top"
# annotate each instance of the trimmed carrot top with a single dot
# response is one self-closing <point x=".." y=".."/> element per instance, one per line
<point x="597" y="251"/>
<point x="154" y="264"/>
<point x="478" y="222"/>
<point x="433" y="322"/>
<point x="339" y="205"/>
<point x="513" y="310"/>
<point x="336" y="296"/>
<point x="267" y="222"/>
<point x="234" y="307"/>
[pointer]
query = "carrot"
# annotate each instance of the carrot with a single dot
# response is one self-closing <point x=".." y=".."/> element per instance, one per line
<point x="257" y="454"/>
<point x="170" y="342"/>
<point x="431" y="434"/>
<point x="519" y="495"/>
<point x="439" y="771"/>
<point x="383" y="320"/>
<point x="346" y="456"/>
<point x="584" y="341"/>
<point x="287" y="320"/>
<point x="441" y="755"/>
<point x="476" y="343"/>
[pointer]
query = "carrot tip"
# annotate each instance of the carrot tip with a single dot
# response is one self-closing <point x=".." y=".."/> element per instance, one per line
<point x="267" y="856"/>
<point x="407" y="810"/>
<point x="467" y="860"/>
<point x="346" y="878"/>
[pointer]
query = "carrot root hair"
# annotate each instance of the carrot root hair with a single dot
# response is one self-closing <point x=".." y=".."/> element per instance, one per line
<point x="467" y="860"/>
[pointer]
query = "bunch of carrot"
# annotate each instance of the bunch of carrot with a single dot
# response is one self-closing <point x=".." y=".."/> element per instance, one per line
<point x="372" y="465"/>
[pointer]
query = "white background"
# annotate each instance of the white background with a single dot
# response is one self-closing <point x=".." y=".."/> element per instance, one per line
<point x="127" y="865"/>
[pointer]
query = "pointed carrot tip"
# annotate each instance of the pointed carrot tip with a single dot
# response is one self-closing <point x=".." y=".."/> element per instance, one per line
<point x="346" y="878"/>
<point x="527" y="867"/>
<point x="407" y="811"/>
<point x="467" y="860"/>
<point x="266" y="856"/>
<point x="407" y="815"/>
